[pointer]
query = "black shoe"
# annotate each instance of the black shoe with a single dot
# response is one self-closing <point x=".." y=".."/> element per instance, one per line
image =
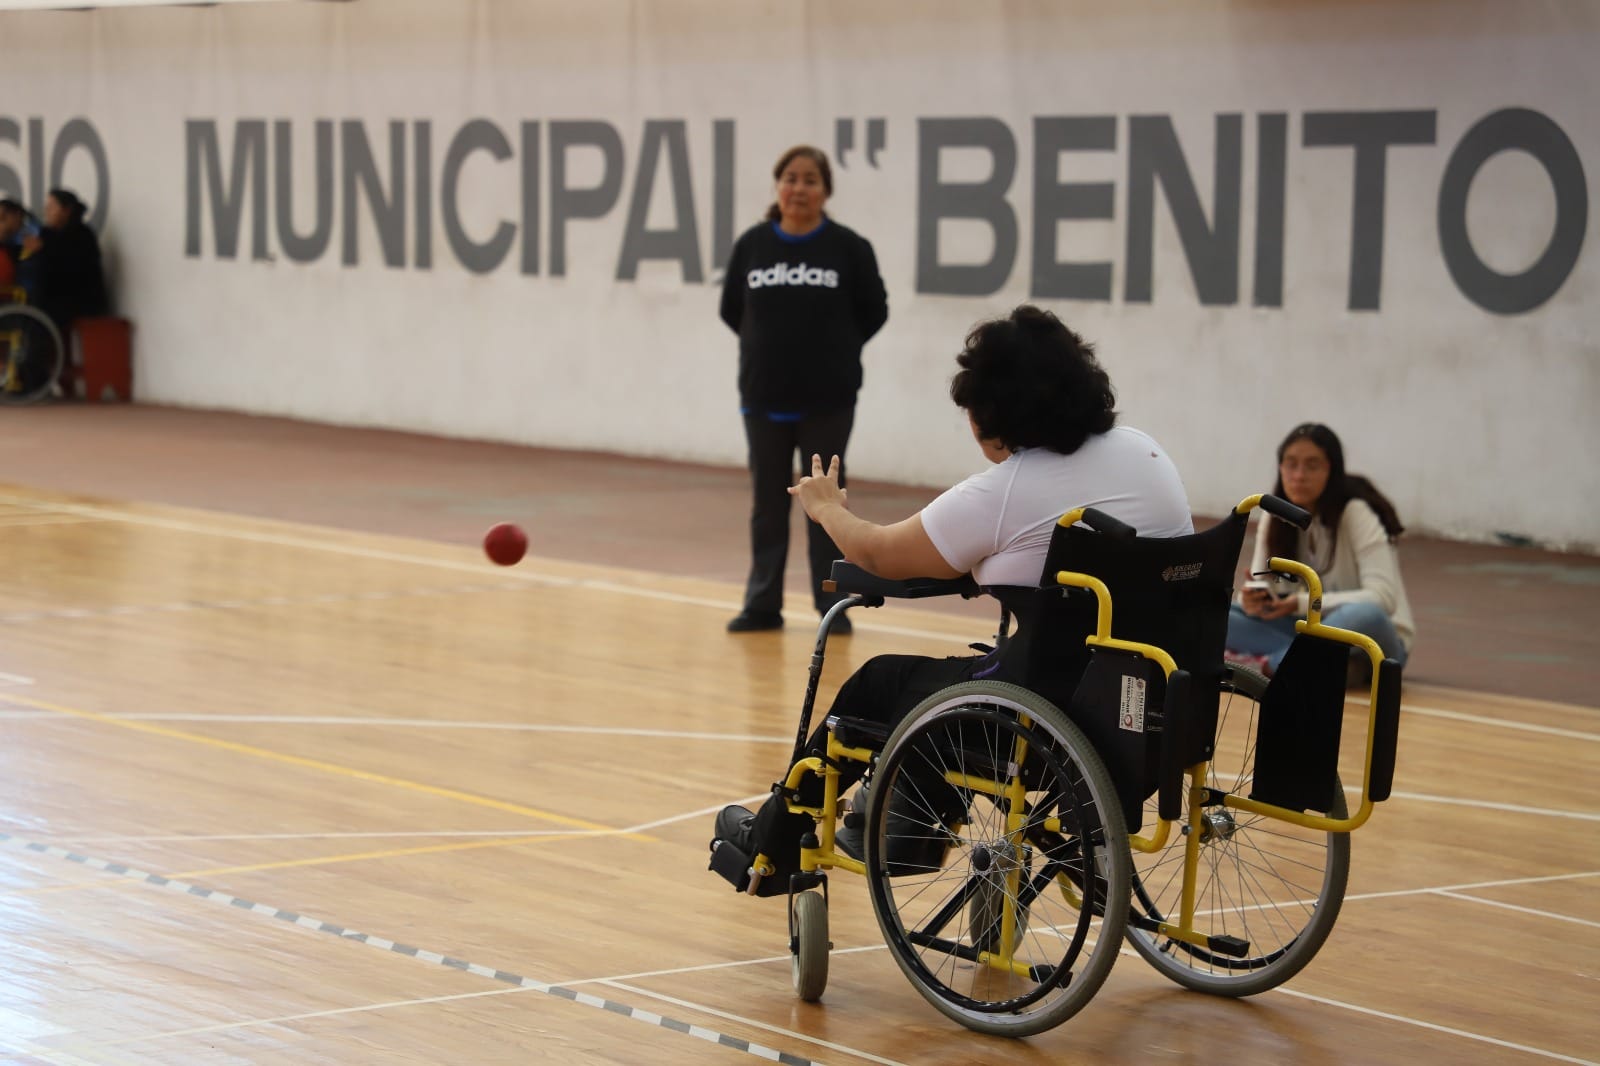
<point x="755" y="621"/>
<point x="914" y="844"/>
<point x="736" y="825"/>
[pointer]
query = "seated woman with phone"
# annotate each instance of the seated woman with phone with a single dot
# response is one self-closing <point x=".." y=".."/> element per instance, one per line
<point x="1350" y="543"/>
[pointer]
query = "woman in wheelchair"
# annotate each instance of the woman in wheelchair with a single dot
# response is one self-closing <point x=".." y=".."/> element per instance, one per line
<point x="1350" y="543"/>
<point x="1042" y="411"/>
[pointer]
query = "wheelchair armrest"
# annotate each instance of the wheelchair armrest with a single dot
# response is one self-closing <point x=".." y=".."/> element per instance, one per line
<point x="850" y="579"/>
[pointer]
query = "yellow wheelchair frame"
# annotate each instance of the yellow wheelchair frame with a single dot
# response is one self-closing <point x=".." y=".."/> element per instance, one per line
<point x="22" y="326"/>
<point x="1054" y="881"/>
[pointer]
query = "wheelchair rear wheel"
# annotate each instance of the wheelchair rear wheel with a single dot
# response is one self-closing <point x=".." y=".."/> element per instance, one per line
<point x="1007" y="921"/>
<point x="1275" y="885"/>
<point x="31" y="354"/>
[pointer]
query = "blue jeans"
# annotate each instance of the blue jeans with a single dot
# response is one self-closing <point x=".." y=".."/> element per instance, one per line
<point x="1258" y="636"/>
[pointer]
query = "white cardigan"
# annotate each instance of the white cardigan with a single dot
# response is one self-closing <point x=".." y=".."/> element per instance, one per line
<point x="1365" y="568"/>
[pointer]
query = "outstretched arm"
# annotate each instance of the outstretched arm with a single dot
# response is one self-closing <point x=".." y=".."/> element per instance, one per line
<point x="899" y="551"/>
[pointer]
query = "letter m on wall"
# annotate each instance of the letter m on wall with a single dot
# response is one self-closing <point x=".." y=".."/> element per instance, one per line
<point x="206" y="181"/>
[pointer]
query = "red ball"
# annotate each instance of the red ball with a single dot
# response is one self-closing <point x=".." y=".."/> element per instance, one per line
<point x="505" y="544"/>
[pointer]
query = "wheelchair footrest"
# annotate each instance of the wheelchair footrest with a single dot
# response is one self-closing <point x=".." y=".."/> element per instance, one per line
<point x="733" y="866"/>
<point x="1231" y="946"/>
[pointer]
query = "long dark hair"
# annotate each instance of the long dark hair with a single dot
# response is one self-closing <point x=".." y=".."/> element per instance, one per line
<point x="74" y="207"/>
<point x="1342" y="487"/>
<point x="800" y="151"/>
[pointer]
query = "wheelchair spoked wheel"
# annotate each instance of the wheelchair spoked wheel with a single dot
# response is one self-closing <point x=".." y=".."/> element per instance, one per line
<point x="1273" y="884"/>
<point x="809" y="966"/>
<point x="31" y="354"/>
<point x="1008" y="926"/>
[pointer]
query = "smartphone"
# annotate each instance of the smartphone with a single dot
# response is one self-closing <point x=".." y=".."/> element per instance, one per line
<point x="1262" y="586"/>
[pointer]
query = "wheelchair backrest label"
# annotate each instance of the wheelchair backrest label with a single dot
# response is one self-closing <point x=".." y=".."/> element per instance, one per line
<point x="1131" y="714"/>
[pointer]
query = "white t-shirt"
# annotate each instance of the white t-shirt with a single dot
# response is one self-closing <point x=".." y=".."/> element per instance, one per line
<point x="997" y="524"/>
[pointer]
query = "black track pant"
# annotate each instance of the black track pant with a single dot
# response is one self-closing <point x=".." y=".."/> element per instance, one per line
<point x="773" y="446"/>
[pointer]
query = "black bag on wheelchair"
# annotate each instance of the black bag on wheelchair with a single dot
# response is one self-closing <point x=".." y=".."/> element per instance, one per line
<point x="1170" y="592"/>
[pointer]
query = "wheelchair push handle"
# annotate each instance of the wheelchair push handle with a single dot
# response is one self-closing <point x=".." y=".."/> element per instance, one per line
<point x="1101" y="522"/>
<point x="1279" y="507"/>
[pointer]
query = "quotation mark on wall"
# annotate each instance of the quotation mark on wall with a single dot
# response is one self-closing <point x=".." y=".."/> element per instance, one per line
<point x="844" y="139"/>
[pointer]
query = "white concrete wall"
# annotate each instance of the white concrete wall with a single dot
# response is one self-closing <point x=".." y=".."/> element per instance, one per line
<point x="1476" y="421"/>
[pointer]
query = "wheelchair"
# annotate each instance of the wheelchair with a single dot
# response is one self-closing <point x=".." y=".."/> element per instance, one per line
<point x="31" y="351"/>
<point x="1099" y="784"/>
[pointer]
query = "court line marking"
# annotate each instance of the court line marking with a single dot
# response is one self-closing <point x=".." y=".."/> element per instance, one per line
<point x="310" y="764"/>
<point x="15" y="679"/>
<point x="322" y="860"/>
<point x="446" y="723"/>
<point x="1437" y="1028"/>
<point x="1484" y="719"/>
<point x="1516" y="907"/>
<point x="222" y="1027"/>
<point x="385" y="555"/>
<point x="1490" y="805"/>
<point x="726" y="1016"/>
<point x="610" y="586"/>
<point x="421" y="954"/>
<point x="498" y="842"/>
<point x="1436" y="890"/>
<point x="22" y="520"/>
<point x="409" y="833"/>
<point x="427" y="1001"/>
<point x="648" y="1017"/>
<point x="120" y="610"/>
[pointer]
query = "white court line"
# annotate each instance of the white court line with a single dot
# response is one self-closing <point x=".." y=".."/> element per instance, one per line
<point x="1483" y="719"/>
<point x="609" y="586"/>
<point x="1395" y="893"/>
<point x="284" y="1018"/>
<point x="1490" y="805"/>
<point x="14" y="679"/>
<point x="13" y="521"/>
<point x="409" y="834"/>
<point x="477" y="568"/>
<point x="1505" y="882"/>
<point x="444" y="723"/>
<point x="1434" y="1027"/>
<point x="742" y="1020"/>
<point x="1514" y="907"/>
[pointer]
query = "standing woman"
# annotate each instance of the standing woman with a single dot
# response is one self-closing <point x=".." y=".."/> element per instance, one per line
<point x="804" y="295"/>
<point x="1350" y="543"/>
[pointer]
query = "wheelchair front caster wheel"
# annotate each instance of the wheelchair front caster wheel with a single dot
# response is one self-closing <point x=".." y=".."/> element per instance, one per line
<point x="810" y="946"/>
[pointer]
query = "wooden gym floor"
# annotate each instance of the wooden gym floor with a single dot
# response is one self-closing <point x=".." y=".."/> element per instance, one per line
<point x="293" y="775"/>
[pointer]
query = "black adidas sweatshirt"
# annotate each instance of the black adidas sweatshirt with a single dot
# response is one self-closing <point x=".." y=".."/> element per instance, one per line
<point x="803" y="308"/>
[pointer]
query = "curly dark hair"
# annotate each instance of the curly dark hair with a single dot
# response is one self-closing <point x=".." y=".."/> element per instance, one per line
<point x="1030" y="382"/>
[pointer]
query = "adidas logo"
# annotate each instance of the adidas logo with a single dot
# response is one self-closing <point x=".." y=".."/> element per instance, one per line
<point x="784" y="274"/>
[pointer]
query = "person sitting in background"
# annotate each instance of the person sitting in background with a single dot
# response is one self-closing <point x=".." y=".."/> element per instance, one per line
<point x="16" y="226"/>
<point x="71" y="282"/>
<point x="1350" y="544"/>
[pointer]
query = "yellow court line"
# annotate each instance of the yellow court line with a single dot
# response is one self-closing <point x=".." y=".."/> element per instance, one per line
<point x="317" y="764"/>
<point x="393" y="853"/>
<point x="325" y="860"/>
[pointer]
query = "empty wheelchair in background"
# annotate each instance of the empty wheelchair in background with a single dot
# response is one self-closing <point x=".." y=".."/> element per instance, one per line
<point x="1104" y="782"/>
<point x="31" y="351"/>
